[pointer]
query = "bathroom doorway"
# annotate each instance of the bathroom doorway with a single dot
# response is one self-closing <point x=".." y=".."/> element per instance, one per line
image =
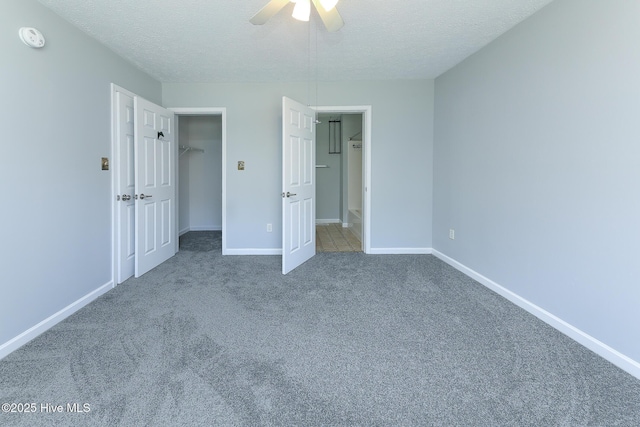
<point x="342" y="175"/>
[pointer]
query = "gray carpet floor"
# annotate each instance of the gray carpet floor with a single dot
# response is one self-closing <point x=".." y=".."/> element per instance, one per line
<point x="347" y="339"/>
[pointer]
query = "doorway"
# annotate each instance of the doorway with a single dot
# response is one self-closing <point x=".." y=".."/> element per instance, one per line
<point x="201" y="177"/>
<point x="199" y="174"/>
<point x="343" y="153"/>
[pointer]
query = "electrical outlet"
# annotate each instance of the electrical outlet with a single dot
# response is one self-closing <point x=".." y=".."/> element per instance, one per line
<point x="269" y="228"/>
<point x="452" y="234"/>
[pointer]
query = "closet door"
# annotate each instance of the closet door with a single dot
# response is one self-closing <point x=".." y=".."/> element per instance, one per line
<point x="125" y="185"/>
<point x="155" y="186"/>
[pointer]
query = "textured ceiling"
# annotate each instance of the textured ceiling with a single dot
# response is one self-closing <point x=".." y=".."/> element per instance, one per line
<point x="213" y="41"/>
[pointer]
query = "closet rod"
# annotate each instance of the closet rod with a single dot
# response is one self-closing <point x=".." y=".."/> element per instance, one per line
<point x="187" y="148"/>
<point x="351" y="137"/>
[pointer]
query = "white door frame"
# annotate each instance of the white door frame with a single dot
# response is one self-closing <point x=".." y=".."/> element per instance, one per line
<point x="210" y="111"/>
<point x="365" y="110"/>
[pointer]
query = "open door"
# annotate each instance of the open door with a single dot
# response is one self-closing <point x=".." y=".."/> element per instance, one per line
<point x="124" y="168"/>
<point x="298" y="184"/>
<point x="155" y="186"/>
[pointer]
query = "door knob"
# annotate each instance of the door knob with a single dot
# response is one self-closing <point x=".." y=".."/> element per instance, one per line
<point x="148" y="196"/>
<point x="291" y="194"/>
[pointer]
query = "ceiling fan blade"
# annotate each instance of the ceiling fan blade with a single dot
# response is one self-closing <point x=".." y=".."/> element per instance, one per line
<point x="332" y="19"/>
<point x="273" y="7"/>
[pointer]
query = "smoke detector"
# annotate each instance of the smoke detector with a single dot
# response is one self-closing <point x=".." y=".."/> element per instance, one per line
<point x="31" y="37"/>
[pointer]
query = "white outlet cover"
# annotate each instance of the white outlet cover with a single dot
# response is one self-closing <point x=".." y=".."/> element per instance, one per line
<point x="32" y="37"/>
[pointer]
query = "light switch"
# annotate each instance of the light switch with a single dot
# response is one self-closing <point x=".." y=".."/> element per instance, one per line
<point x="105" y="163"/>
<point x="240" y="165"/>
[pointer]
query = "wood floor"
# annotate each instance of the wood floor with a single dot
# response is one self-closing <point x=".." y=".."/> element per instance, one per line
<point x="335" y="238"/>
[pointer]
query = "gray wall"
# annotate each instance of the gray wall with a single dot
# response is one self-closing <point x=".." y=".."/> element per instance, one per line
<point x="537" y="165"/>
<point x="402" y="140"/>
<point x="200" y="189"/>
<point x="56" y="201"/>
<point x="329" y="180"/>
<point x="184" y="221"/>
<point x="353" y="163"/>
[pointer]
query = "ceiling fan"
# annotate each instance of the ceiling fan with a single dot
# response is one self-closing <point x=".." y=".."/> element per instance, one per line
<point x="301" y="11"/>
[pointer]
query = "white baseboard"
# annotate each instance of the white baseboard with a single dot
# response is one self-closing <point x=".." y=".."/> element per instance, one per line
<point x="328" y="221"/>
<point x="249" y="251"/>
<point x="17" y="342"/>
<point x="620" y="360"/>
<point x="203" y="228"/>
<point x="374" y="251"/>
<point x="206" y="228"/>
<point x="400" y="251"/>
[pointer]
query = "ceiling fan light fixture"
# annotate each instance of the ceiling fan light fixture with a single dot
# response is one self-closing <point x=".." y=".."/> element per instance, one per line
<point x="302" y="10"/>
<point x="328" y="4"/>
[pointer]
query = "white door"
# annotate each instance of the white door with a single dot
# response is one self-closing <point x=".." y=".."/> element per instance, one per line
<point x="125" y="186"/>
<point x="155" y="186"/>
<point x="298" y="184"/>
